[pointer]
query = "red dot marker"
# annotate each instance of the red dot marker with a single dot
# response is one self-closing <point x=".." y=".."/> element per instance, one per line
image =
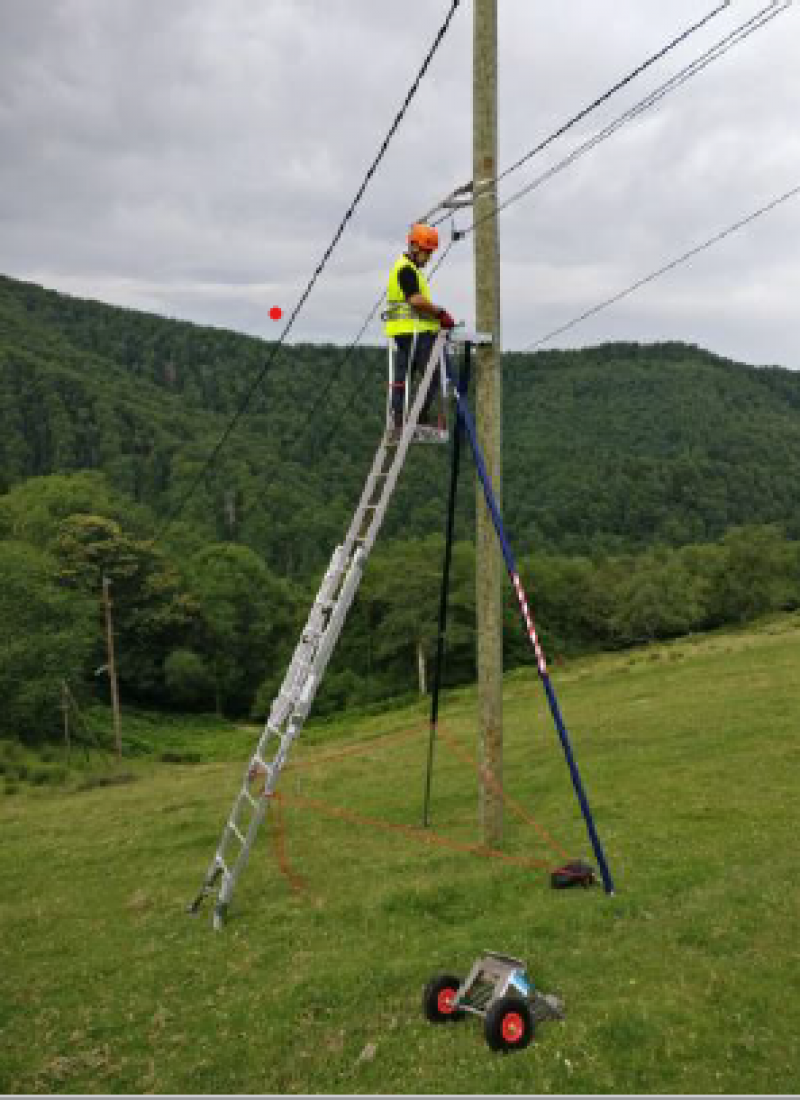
<point x="276" y="313"/>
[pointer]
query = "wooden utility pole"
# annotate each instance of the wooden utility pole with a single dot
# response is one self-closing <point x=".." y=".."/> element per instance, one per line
<point x="112" y="668"/>
<point x="65" y="713"/>
<point x="488" y="410"/>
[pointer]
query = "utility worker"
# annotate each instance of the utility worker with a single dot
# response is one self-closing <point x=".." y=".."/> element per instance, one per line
<point x="411" y="318"/>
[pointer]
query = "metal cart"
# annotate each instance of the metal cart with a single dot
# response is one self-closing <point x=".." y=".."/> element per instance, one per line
<point x="498" y="989"/>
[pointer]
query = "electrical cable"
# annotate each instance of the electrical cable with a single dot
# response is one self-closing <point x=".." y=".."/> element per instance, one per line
<point x="667" y="267"/>
<point x="254" y="386"/>
<point x="683" y="74"/>
<point x="322" y="400"/>
<point x="672" y="44"/>
<point x="595" y="103"/>
<point x="721" y="47"/>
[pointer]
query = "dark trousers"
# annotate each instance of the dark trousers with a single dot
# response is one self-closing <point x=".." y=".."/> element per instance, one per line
<point x="422" y="354"/>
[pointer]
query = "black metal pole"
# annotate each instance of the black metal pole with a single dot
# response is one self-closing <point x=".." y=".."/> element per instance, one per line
<point x="455" y="460"/>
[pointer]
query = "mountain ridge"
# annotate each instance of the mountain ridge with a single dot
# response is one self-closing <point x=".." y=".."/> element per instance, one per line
<point x="606" y="448"/>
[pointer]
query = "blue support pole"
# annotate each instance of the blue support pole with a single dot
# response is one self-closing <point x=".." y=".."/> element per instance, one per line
<point x="465" y="416"/>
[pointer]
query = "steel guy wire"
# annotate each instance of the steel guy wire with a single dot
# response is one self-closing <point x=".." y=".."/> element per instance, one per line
<point x="740" y="224"/>
<point x="254" y="386"/>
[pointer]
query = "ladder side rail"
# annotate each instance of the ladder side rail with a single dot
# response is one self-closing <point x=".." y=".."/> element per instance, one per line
<point x="366" y="498"/>
<point x="313" y="652"/>
<point x="306" y="647"/>
<point x="275" y="767"/>
<point x="231" y="876"/>
<point x="334" y="629"/>
<point x="219" y="866"/>
<point x="244" y="798"/>
<point x="469" y="425"/>
<point x="280" y="711"/>
<point x="354" y="574"/>
<point x="434" y="362"/>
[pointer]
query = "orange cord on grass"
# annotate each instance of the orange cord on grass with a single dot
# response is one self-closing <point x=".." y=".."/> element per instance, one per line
<point x="424" y="835"/>
<point x="495" y="784"/>
<point x="296" y="881"/>
<point x="376" y="742"/>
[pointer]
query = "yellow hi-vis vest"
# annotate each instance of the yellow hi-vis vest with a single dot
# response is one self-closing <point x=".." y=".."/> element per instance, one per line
<point x="400" y="319"/>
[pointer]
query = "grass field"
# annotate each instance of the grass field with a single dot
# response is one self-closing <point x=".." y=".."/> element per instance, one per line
<point x="686" y="981"/>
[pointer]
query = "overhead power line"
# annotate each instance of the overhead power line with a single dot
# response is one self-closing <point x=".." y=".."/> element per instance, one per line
<point x="321" y="401"/>
<point x="254" y="386"/>
<point x="792" y="193"/>
<point x="714" y="53"/>
<point x="588" y="109"/>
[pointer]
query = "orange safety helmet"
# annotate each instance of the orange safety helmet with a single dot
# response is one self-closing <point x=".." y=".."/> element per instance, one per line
<point x="424" y="236"/>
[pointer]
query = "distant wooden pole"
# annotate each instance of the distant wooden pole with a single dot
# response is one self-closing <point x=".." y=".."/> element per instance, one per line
<point x="488" y="409"/>
<point x="65" y="712"/>
<point x="112" y="668"/>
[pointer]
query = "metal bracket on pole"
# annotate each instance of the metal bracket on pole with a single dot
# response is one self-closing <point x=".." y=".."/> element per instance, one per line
<point x="453" y="201"/>
<point x="461" y="336"/>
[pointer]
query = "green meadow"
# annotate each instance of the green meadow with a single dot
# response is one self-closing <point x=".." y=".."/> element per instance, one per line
<point x="687" y="980"/>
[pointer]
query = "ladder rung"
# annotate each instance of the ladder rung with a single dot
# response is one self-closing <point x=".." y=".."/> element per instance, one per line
<point x="253" y="802"/>
<point x="239" y="834"/>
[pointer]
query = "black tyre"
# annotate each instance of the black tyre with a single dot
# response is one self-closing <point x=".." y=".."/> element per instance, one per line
<point x="508" y="1024"/>
<point x="438" y="1000"/>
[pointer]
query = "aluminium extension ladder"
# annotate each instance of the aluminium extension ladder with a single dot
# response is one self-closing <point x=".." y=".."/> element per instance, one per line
<point x="291" y="705"/>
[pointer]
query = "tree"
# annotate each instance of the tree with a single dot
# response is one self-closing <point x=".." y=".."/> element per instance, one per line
<point x="34" y="510"/>
<point x="188" y="679"/>
<point x="153" y="613"/>
<point x="49" y="636"/>
<point x="402" y="591"/>
<point x="249" y="622"/>
<point x="756" y="574"/>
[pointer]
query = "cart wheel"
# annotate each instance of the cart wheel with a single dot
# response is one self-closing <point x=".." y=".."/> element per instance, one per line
<point x="438" y="1000"/>
<point x="508" y="1024"/>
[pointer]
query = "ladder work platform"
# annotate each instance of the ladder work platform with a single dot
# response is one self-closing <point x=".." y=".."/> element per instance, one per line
<point x="318" y="639"/>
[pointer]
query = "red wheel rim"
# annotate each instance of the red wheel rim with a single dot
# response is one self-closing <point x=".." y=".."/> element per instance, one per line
<point x="446" y="1001"/>
<point x="513" y="1027"/>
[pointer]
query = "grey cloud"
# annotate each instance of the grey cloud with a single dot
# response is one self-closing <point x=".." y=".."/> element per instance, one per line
<point x="194" y="158"/>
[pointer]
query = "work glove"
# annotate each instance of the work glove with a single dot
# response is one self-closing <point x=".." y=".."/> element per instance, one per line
<point x="445" y="320"/>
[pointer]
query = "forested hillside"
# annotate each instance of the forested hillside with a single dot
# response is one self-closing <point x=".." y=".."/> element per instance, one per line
<point x="610" y="448"/>
<point x="649" y="492"/>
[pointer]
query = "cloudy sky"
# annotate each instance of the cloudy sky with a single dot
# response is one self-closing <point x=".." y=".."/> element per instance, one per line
<point x="194" y="158"/>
